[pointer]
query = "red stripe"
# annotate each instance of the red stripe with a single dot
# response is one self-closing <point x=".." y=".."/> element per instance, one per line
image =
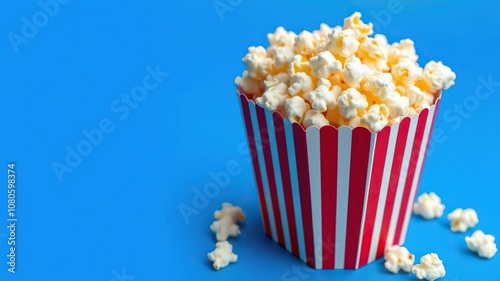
<point x="393" y="183"/>
<point x="415" y="152"/>
<point x="285" y="178"/>
<point x="266" y="146"/>
<point x="253" y="150"/>
<point x="328" y="152"/>
<point x="381" y="143"/>
<point x="360" y="153"/>
<point x="300" y="140"/>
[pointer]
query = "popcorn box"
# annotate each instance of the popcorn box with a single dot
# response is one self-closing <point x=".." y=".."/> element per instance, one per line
<point x="336" y="198"/>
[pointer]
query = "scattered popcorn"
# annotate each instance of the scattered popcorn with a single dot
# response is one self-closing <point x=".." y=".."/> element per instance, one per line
<point x="462" y="219"/>
<point x="398" y="257"/>
<point x="376" y="118"/>
<point x="222" y="255"/>
<point x="295" y="108"/>
<point x="324" y="65"/>
<point x="483" y="244"/>
<point x="314" y="118"/>
<point x="438" y="76"/>
<point x="350" y="102"/>
<point x="428" y="206"/>
<point x="430" y="268"/>
<point x="225" y="225"/>
<point x="322" y="98"/>
<point x="383" y="80"/>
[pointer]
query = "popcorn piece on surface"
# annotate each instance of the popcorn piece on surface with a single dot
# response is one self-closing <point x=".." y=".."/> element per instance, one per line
<point x="404" y="49"/>
<point x="314" y="118"/>
<point x="299" y="64"/>
<point x="406" y="71"/>
<point x="273" y="80"/>
<point x="274" y="97"/>
<point x="249" y="85"/>
<point x="281" y="37"/>
<point x="430" y="267"/>
<point x="295" y="108"/>
<point x="343" y="42"/>
<point x="462" y="219"/>
<point x="257" y="62"/>
<point x="324" y="65"/>
<point x="376" y="118"/>
<point x="398" y="105"/>
<point x="483" y="244"/>
<point x="350" y="102"/>
<point x="301" y="84"/>
<point x="222" y="255"/>
<point x="428" y="206"/>
<point x="225" y="225"/>
<point x="375" y="47"/>
<point x="397" y="258"/>
<point x="354" y="22"/>
<point x="438" y="76"/>
<point x="306" y="43"/>
<point x="354" y="72"/>
<point x="282" y="56"/>
<point x="381" y="85"/>
<point x="322" y="98"/>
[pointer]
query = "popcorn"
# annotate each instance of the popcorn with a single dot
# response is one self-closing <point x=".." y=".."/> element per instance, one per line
<point x="397" y="258"/>
<point x="483" y="244"/>
<point x="343" y="73"/>
<point x="376" y="118"/>
<point x="354" y="72"/>
<point x="314" y="118"/>
<point x="301" y="84"/>
<point x="274" y="97"/>
<point x="343" y="42"/>
<point x="462" y="219"/>
<point x="306" y="43"/>
<point x="295" y="108"/>
<point x="257" y="62"/>
<point x="430" y="268"/>
<point x="324" y="65"/>
<point x="249" y="85"/>
<point x="225" y="225"/>
<point x="322" y="98"/>
<point x="354" y="22"/>
<point x="428" y="206"/>
<point x="438" y="76"/>
<point x="350" y="102"/>
<point x="222" y="255"/>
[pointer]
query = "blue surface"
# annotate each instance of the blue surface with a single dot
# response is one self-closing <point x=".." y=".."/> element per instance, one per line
<point x="114" y="215"/>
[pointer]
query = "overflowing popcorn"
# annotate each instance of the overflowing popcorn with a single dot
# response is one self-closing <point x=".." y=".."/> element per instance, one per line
<point x="462" y="219"/>
<point x="397" y="257"/>
<point x="428" y="206"/>
<point x="483" y="244"/>
<point x="341" y="75"/>
<point x="222" y="255"/>
<point x="430" y="267"/>
<point x="225" y="225"/>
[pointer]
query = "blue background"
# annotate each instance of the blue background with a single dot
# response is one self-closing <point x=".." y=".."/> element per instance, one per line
<point x="116" y="215"/>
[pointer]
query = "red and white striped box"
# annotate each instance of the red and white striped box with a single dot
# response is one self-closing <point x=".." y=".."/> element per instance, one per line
<point x="336" y="198"/>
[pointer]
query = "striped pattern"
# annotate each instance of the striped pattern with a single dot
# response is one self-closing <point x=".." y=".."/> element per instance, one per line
<point x="336" y="198"/>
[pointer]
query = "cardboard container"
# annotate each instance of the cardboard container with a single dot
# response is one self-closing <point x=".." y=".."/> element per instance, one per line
<point x="336" y="198"/>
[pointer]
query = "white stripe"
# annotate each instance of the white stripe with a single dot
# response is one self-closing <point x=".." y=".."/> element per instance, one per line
<point x="418" y="168"/>
<point x="263" y="172"/>
<point x="401" y="184"/>
<point x="383" y="192"/>
<point x="279" y="182"/>
<point x="344" y="163"/>
<point x="313" y="155"/>
<point x="367" y="188"/>
<point x="292" y="164"/>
